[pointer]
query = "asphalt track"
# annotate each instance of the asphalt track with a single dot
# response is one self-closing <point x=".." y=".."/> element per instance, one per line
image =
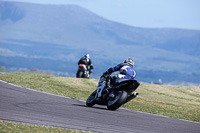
<point x="20" y="104"/>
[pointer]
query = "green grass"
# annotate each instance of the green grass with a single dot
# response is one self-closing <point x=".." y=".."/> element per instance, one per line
<point x="12" y="127"/>
<point x="182" y="102"/>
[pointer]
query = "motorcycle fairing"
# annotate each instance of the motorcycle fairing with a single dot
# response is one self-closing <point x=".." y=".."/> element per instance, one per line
<point x="128" y="85"/>
<point x="82" y="66"/>
<point x="100" y="87"/>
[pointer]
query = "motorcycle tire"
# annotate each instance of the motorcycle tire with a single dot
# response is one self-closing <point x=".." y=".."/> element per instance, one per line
<point x="91" y="99"/>
<point x="119" y="99"/>
<point x="80" y="74"/>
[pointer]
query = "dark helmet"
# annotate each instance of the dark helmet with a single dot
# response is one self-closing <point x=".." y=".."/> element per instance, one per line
<point x="129" y="61"/>
<point x="87" y="56"/>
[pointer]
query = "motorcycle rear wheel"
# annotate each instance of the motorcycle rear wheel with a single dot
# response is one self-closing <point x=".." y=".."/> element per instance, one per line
<point x="80" y="74"/>
<point x="91" y="99"/>
<point x="119" y="99"/>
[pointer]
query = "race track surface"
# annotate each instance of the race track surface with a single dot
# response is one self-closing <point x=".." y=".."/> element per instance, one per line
<point x="28" y="106"/>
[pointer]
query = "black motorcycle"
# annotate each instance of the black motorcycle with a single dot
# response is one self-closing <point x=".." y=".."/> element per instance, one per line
<point x="113" y="92"/>
<point x="82" y="71"/>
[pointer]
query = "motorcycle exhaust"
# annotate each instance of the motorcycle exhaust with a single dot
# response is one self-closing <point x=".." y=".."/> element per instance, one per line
<point x="132" y="96"/>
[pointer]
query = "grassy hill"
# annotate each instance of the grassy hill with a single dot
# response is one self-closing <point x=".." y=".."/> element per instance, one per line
<point x="174" y="101"/>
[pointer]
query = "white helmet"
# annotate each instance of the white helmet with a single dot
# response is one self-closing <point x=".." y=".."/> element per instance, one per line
<point x="87" y="56"/>
<point x="129" y="61"/>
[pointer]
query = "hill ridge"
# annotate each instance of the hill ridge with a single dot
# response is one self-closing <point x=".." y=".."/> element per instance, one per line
<point x="64" y="33"/>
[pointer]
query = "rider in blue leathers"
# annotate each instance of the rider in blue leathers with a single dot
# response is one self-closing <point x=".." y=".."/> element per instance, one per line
<point x="126" y="73"/>
<point x="126" y="70"/>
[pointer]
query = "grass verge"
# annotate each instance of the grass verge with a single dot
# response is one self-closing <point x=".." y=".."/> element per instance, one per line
<point x="12" y="127"/>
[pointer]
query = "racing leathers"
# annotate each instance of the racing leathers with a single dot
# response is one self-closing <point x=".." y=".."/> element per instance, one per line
<point x="126" y="71"/>
<point x="87" y="62"/>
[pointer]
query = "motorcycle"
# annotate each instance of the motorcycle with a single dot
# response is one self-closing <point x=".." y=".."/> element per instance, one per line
<point x="113" y="95"/>
<point x="82" y="71"/>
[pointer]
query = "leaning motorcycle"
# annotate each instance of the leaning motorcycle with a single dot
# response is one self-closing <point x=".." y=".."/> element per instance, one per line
<point x="82" y="71"/>
<point x="113" y="95"/>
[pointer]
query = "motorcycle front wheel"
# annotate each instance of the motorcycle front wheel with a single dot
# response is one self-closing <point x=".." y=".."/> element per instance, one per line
<point x="119" y="99"/>
<point x="91" y="99"/>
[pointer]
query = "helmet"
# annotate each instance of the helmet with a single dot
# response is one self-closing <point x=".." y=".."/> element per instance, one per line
<point x="87" y="56"/>
<point x="129" y="61"/>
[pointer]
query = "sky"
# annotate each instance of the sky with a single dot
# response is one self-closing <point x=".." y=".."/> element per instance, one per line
<point x="184" y="14"/>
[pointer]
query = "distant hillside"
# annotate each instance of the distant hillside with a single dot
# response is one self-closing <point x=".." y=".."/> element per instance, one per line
<point x="42" y="36"/>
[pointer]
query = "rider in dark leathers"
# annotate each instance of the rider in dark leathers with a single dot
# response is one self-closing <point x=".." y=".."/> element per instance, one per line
<point x="86" y="61"/>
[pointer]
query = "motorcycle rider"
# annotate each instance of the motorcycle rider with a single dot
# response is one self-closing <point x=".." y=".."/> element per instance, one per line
<point x="126" y="72"/>
<point x="86" y="61"/>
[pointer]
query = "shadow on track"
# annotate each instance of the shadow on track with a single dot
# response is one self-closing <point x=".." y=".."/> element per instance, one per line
<point x="95" y="107"/>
